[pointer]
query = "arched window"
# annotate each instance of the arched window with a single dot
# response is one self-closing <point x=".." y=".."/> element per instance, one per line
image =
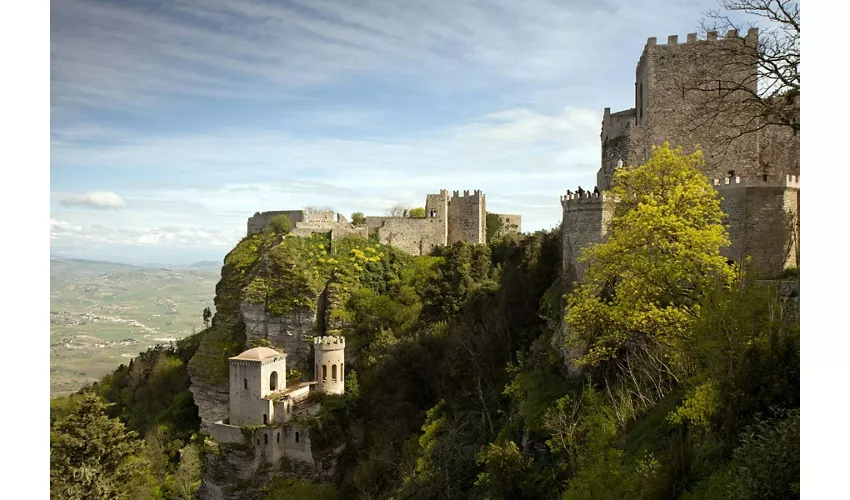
<point x="333" y="372"/>
<point x="245" y="383"/>
<point x="278" y="437"/>
<point x="324" y="372"/>
<point x="273" y="381"/>
<point x="340" y="372"/>
<point x="265" y="439"/>
<point x="265" y="419"/>
<point x="258" y="442"/>
<point x="296" y="437"/>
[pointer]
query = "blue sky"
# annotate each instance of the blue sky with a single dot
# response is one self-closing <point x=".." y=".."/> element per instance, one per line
<point x="173" y="122"/>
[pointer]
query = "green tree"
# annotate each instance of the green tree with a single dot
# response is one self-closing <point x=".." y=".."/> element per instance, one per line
<point x="644" y="286"/>
<point x="506" y="472"/>
<point x="358" y="219"/>
<point x="281" y="224"/>
<point x="94" y="456"/>
<point x="418" y="212"/>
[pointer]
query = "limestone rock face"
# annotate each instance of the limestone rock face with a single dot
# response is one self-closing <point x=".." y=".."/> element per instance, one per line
<point x="288" y="332"/>
<point x="213" y="402"/>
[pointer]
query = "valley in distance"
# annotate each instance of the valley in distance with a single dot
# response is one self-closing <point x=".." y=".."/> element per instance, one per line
<point x="102" y="314"/>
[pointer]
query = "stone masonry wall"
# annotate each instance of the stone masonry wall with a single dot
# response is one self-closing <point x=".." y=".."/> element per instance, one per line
<point x="510" y="223"/>
<point x="262" y="219"/>
<point x="416" y="236"/>
<point x="671" y="77"/>
<point x="762" y="214"/>
<point x="585" y="222"/>
<point x="467" y="218"/>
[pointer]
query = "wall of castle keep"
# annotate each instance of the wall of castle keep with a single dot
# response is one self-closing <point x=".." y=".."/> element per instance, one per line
<point x="585" y="221"/>
<point x="467" y="218"/>
<point x="762" y="214"/>
<point x="669" y="75"/>
<point x="416" y="236"/>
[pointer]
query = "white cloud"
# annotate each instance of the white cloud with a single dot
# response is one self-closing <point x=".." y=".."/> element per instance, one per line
<point x="95" y="199"/>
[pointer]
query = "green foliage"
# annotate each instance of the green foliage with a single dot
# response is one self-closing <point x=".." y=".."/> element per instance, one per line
<point x="462" y="269"/>
<point x="258" y="342"/>
<point x="662" y="256"/>
<point x="493" y="226"/>
<point x="297" y="489"/>
<point x="418" y="212"/>
<point x="767" y="463"/>
<point x="153" y="390"/>
<point x="329" y="428"/>
<point x="92" y="455"/>
<point x="358" y="219"/>
<point x="280" y="224"/>
<point x="507" y="472"/>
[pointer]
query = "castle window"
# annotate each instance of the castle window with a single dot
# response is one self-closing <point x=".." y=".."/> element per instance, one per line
<point x="278" y="437"/>
<point x="764" y="177"/>
<point x="265" y="419"/>
<point x="433" y="213"/>
<point x="273" y="381"/>
<point x="333" y="373"/>
<point x="245" y="383"/>
<point x="296" y="437"/>
<point x="324" y="373"/>
<point x="288" y="405"/>
<point x="340" y="372"/>
<point x="265" y="439"/>
<point x="258" y="442"/>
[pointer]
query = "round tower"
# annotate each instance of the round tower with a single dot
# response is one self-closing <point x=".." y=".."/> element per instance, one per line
<point x="330" y="364"/>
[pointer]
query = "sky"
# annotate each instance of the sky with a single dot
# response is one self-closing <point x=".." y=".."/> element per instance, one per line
<point x="172" y="122"/>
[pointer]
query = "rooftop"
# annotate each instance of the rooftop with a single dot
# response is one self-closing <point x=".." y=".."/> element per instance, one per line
<point x="258" y="354"/>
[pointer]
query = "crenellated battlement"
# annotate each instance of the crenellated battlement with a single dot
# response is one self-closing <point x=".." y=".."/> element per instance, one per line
<point x="711" y="36"/>
<point x="329" y="342"/>
<point x="764" y="181"/>
<point x="585" y="197"/>
<point x="476" y="193"/>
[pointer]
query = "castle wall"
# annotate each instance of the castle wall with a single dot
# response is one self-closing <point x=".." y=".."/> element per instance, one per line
<point x="467" y="218"/>
<point x="670" y="94"/>
<point x="510" y="223"/>
<point x="416" y="236"/>
<point x="261" y="219"/>
<point x="762" y="214"/>
<point x="585" y="221"/>
<point x="616" y="141"/>
<point x="316" y="217"/>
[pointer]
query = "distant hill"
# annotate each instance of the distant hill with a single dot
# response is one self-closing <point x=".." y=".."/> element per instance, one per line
<point x="205" y="264"/>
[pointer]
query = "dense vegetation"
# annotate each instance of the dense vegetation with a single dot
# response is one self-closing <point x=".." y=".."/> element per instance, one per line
<point x="666" y="373"/>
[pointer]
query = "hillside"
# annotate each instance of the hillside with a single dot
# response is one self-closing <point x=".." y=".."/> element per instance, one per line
<point x="474" y="372"/>
<point x="102" y="314"/>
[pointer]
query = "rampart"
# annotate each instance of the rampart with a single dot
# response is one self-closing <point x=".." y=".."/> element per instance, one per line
<point x="763" y="218"/>
<point x="585" y="221"/>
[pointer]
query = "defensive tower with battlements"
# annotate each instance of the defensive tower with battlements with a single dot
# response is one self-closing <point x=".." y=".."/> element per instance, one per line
<point x="330" y="364"/>
<point x="756" y="174"/>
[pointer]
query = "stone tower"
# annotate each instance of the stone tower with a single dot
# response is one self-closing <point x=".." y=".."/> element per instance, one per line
<point x="585" y="221"/>
<point x="330" y="364"/>
<point x="670" y="81"/>
<point x="255" y="374"/>
<point x="467" y="218"/>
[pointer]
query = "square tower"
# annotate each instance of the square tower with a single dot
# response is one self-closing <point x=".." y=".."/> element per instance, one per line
<point x="255" y="374"/>
<point x="467" y="218"/>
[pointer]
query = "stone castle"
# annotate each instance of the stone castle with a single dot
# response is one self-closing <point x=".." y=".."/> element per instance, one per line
<point x="448" y="219"/>
<point x="756" y="174"/>
<point x="270" y="415"/>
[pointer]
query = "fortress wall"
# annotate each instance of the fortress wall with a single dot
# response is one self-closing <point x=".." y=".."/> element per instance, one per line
<point x="779" y="150"/>
<point x="763" y="219"/>
<point x="467" y="218"/>
<point x="329" y="216"/>
<point x="261" y="219"/>
<point x="510" y="223"/>
<point x="345" y="232"/>
<point x="415" y="236"/>
<point x="668" y="102"/>
<point x="224" y="433"/>
<point x="585" y="221"/>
